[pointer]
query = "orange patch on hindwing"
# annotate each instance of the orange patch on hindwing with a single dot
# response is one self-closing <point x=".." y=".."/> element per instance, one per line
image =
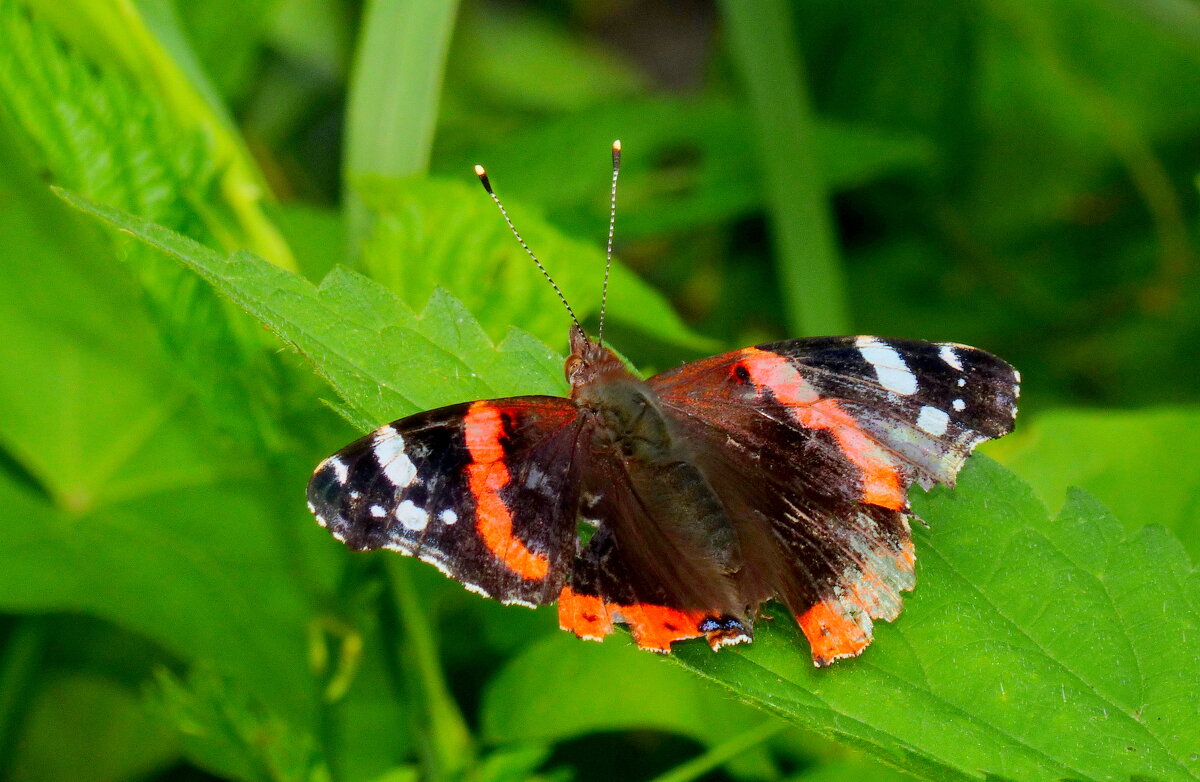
<point x="486" y="476"/>
<point x="653" y="627"/>
<point x="585" y="615"/>
<point x="831" y="633"/>
<point x="881" y="480"/>
<point x="656" y="627"/>
<point x="841" y="625"/>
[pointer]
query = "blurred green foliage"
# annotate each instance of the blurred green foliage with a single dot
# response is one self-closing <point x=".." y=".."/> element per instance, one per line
<point x="1011" y="175"/>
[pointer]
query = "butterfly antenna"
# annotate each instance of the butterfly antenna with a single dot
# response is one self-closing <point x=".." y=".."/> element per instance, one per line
<point x="612" y="224"/>
<point x="487" y="185"/>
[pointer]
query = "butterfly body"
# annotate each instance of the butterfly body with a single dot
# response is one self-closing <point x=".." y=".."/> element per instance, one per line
<point x="774" y="472"/>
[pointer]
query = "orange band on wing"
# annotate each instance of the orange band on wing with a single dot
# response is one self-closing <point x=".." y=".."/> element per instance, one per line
<point x="486" y="476"/>
<point x="882" y="484"/>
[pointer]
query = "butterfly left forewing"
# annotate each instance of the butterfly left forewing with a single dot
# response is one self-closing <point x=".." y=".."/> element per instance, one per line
<point x="486" y="491"/>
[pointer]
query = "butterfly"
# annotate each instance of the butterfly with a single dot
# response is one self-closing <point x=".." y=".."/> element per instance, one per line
<point x="680" y="504"/>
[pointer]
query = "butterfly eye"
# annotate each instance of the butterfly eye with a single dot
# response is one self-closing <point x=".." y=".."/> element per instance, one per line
<point x="572" y="366"/>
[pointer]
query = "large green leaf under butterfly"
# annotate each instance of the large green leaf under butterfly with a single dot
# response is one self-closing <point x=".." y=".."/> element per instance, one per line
<point x="1036" y="648"/>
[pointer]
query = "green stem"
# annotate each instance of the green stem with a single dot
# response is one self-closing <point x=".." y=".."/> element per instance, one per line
<point x="723" y="753"/>
<point x="19" y="663"/>
<point x="394" y="91"/>
<point x="763" y="45"/>
<point x="449" y="748"/>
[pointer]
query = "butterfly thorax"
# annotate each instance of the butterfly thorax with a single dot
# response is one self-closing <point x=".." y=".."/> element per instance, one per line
<point x="620" y="408"/>
<point x="626" y="423"/>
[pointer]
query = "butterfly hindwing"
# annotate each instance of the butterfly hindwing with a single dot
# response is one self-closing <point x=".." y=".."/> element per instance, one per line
<point x="486" y="491"/>
<point x="606" y="589"/>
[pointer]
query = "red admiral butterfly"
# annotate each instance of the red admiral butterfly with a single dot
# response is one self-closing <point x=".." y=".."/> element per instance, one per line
<point x="678" y="505"/>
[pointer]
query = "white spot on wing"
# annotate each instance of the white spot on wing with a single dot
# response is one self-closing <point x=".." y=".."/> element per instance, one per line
<point x="962" y="381"/>
<point x="389" y="452"/>
<point x="340" y="468"/>
<point x="959" y="405"/>
<point x="378" y="511"/>
<point x="383" y="433"/>
<point x="411" y="516"/>
<point x="893" y="373"/>
<point x="933" y="420"/>
<point x="448" y="516"/>
<point x="948" y="354"/>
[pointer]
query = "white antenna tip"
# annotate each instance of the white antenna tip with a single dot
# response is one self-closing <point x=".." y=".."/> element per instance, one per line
<point x="480" y="171"/>
<point x="617" y="145"/>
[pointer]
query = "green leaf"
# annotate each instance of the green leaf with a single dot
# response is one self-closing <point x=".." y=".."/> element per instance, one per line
<point x="394" y="93"/>
<point x="384" y="360"/>
<point x="93" y="128"/>
<point x="513" y="764"/>
<point x="228" y="51"/>
<point x="619" y="688"/>
<point x="852" y="770"/>
<point x="393" y="102"/>
<point x="519" y="60"/>
<point x="97" y="410"/>
<point x="1031" y="649"/>
<point x="1144" y="464"/>
<point x="430" y="233"/>
<point x="100" y="95"/>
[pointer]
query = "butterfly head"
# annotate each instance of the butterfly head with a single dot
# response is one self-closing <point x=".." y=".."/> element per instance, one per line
<point x="589" y="361"/>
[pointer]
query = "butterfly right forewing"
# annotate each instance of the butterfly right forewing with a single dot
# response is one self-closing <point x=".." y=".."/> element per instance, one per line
<point x="818" y="440"/>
